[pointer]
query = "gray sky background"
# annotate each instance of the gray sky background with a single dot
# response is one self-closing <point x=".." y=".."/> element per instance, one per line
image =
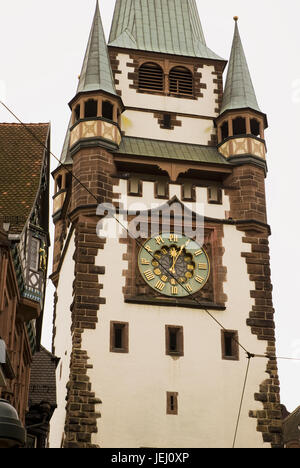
<point x="41" y="54"/>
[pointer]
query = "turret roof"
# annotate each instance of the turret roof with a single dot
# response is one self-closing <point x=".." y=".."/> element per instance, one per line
<point x="239" y="91"/>
<point x="96" y="71"/>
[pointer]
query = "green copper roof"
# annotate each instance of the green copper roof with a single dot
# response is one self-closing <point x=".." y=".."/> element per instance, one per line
<point x="170" y="150"/>
<point x="165" y="26"/>
<point x="65" y="157"/>
<point x="239" y="91"/>
<point x="96" y="72"/>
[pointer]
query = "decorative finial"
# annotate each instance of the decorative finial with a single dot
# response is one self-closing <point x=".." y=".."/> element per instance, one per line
<point x="236" y="18"/>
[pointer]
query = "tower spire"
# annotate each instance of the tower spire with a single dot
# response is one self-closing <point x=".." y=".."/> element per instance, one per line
<point x="239" y="91"/>
<point x="96" y="73"/>
<point x="169" y="26"/>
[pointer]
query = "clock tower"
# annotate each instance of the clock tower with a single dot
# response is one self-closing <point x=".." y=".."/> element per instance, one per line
<point x="161" y="259"/>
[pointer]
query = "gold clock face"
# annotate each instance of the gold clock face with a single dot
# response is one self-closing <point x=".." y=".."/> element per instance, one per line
<point x="174" y="265"/>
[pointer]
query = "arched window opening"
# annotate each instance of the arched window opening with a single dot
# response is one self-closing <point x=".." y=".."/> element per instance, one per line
<point x="59" y="183"/>
<point x="77" y="113"/>
<point x="90" y="109"/>
<point x="255" y="130"/>
<point x="239" y="126"/>
<point x="151" y="77"/>
<point x="68" y="181"/>
<point x="107" y="110"/>
<point x="181" y="81"/>
<point x="225" y="130"/>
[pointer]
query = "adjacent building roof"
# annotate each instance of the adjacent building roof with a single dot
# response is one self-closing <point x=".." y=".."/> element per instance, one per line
<point x="96" y="71"/>
<point x="170" y="150"/>
<point x="21" y="160"/>
<point x="165" y="26"/>
<point x="43" y="378"/>
<point x="239" y="91"/>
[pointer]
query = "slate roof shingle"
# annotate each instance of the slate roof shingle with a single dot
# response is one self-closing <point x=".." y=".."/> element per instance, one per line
<point x="21" y="161"/>
<point x="43" y="378"/>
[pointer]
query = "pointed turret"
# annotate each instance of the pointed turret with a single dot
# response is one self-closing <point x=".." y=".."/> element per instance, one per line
<point x="239" y="91"/>
<point x="97" y="107"/>
<point x="241" y="123"/>
<point x="96" y="73"/>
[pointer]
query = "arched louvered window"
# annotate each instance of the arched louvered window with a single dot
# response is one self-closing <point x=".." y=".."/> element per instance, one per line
<point x="151" y="77"/>
<point x="181" y="81"/>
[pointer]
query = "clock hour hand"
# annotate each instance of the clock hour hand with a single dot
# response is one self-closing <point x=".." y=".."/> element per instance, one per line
<point x="176" y="256"/>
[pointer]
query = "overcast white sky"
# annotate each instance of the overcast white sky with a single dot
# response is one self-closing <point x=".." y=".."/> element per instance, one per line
<point x="42" y="49"/>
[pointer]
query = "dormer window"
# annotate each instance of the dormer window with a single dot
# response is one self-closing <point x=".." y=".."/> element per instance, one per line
<point x="151" y="77"/>
<point x="181" y="81"/>
<point x="107" y="110"/>
<point x="90" y="109"/>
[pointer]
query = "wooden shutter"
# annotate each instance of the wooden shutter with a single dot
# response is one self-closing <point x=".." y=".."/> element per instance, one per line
<point x="151" y="77"/>
<point x="181" y="81"/>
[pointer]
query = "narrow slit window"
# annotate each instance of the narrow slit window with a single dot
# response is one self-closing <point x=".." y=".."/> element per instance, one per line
<point x="230" y="347"/>
<point x="174" y="341"/>
<point x="172" y="403"/>
<point x="167" y="121"/>
<point x="119" y="337"/>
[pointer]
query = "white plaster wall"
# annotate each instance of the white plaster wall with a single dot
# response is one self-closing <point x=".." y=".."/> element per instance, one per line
<point x="63" y="344"/>
<point x="145" y="125"/>
<point x="200" y="206"/>
<point x="133" y="386"/>
<point x="133" y="122"/>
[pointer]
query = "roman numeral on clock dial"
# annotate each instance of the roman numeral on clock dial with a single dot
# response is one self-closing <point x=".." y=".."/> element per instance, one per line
<point x="160" y="285"/>
<point x="149" y="275"/>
